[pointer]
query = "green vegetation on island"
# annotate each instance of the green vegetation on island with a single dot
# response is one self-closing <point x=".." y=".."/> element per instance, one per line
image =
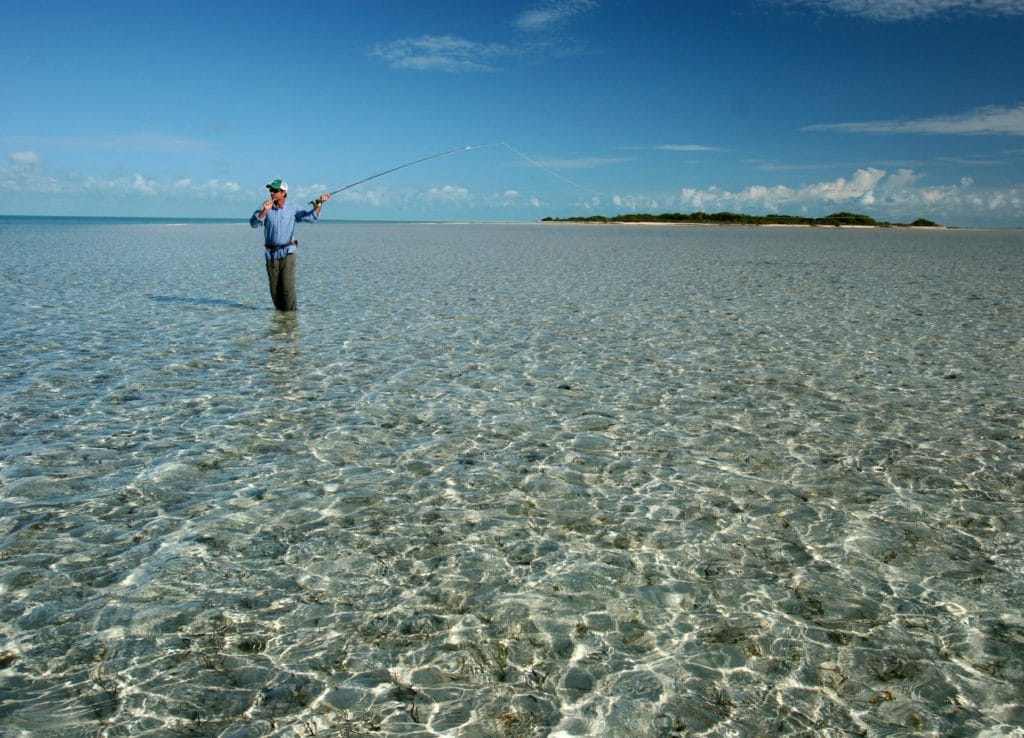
<point x="727" y="218"/>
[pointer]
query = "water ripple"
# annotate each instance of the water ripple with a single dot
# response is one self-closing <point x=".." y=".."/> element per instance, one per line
<point x="513" y="480"/>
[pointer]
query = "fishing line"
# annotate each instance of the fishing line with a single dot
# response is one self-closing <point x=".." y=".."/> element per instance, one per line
<point x="409" y="164"/>
<point x="438" y="155"/>
<point x="550" y="171"/>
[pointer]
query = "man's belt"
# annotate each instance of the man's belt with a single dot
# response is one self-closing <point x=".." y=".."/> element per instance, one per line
<point x="294" y="242"/>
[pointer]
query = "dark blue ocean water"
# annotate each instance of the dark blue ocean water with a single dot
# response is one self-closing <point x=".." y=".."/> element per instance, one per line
<point x="511" y="479"/>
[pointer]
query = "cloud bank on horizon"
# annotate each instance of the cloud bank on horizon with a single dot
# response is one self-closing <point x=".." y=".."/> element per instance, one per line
<point x="953" y="158"/>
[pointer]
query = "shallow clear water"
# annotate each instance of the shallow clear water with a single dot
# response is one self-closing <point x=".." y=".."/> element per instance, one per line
<point x="512" y="480"/>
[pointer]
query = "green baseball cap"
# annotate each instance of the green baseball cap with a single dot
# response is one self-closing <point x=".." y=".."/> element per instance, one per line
<point x="278" y="184"/>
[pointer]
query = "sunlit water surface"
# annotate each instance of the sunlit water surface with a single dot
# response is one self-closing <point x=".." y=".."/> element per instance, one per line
<point x="512" y="480"/>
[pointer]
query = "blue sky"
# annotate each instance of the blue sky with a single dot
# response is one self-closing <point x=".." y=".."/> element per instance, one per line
<point x="895" y="108"/>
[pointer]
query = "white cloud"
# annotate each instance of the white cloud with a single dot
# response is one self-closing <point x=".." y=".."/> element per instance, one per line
<point x="687" y="147"/>
<point x="440" y="54"/>
<point x="372" y="196"/>
<point x="897" y="196"/>
<point x="584" y="163"/>
<point x="903" y="178"/>
<point x="35" y="181"/>
<point x="25" y="158"/>
<point x="453" y="54"/>
<point x="971" y="161"/>
<point x="133" y="185"/>
<point x="861" y="186"/>
<point x="552" y="14"/>
<point x="507" y="199"/>
<point x="210" y="187"/>
<point x="638" y="203"/>
<point x="448" y="193"/>
<point x="152" y="142"/>
<point x="900" y="10"/>
<point x="991" y="120"/>
<point x="771" y="166"/>
<point x="124" y="142"/>
<point x="932" y="195"/>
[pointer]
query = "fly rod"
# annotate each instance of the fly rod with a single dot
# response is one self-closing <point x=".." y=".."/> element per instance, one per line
<point x="403" y="166"/>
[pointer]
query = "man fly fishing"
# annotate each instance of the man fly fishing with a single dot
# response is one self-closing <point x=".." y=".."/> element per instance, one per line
<point x="278" y="217"/>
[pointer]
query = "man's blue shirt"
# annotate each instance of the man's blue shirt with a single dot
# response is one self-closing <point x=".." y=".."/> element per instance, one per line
<point x="279" y="228"/>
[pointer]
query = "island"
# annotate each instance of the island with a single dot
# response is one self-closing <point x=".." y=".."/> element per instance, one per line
<point x="727" y="218"/>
